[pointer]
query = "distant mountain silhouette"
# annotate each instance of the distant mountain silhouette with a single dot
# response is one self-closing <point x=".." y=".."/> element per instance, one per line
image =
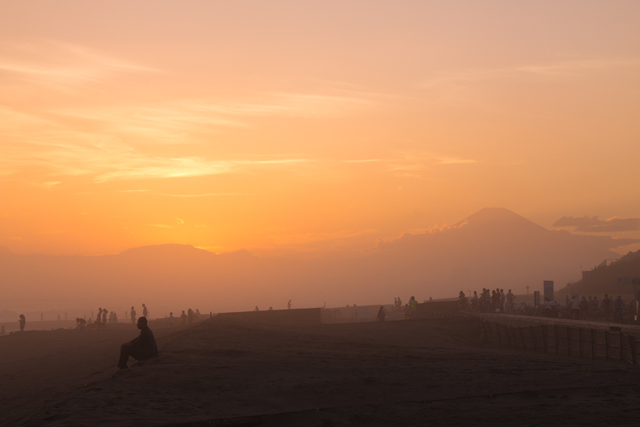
<point x="491" y="248"/>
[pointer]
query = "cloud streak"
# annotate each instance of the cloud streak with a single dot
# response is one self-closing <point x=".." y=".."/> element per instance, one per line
<point x="596" y="225"/>
<point x="58" y="65"/>
<point x="454" y="78"/>
<point x="454" y="161"/>
<point x="204" y="195"/>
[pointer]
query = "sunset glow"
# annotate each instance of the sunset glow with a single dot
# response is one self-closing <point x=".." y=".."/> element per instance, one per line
<point x="309" y="127"/>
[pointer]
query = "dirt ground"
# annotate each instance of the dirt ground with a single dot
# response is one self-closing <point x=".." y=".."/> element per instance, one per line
<point x="226" y="372"/>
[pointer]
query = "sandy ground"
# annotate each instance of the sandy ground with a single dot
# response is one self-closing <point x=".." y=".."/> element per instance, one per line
<point x="224" y="372"/>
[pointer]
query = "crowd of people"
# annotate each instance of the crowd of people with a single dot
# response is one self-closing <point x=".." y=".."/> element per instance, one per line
<point x="592" y="308"/>
<point x="489" y="301"/>
<point x="587" y="308"/>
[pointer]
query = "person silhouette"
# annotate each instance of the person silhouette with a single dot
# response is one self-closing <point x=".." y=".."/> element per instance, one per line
<point x="133" y="315"/>
<point x="145" y="312"/>
<point x="142" y="348"/>
<point x="23" y="321"/>
<point x="289" y="305"/>
<point x="183" y="318"/>
<point x="381" y="314"/>
<point x="80" y="323"/>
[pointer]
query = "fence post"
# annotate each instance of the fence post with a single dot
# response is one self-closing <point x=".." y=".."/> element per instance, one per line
<point x="555" y="330"/>
<point x="606" y="345"/>
<point x="579" y="342"/>
<point x="533" y="339"/>
<point x="593" y="345"/>
<point x="621" y="352"/>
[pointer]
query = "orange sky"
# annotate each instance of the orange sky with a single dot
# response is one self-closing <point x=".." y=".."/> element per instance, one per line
<point x="311" y="126"/>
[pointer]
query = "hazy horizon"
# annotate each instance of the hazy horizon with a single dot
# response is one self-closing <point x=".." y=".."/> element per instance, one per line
<point x="493" y="247"/>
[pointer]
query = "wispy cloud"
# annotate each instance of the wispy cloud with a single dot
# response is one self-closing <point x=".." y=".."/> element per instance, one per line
<point x="160" y="225"/>
<point x="576" y="66"/>
<point x="304" y="238"/>
<point x="204" y="195"/>
<point x="177" y="121"/>
<point x="31" y="141"/>
<point x="139" y="167"/>
<point x="363" y="161"/>
<point x="453" y="78"/>
<point x="455" y="161"/>
<point x="60" y="65"/>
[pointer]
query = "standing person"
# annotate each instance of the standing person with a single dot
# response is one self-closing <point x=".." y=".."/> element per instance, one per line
<point x="381" y="314"/>
<point x="575" y="307"/>
<point x="133" y="315"/>
<point x="607" y="306"/>
<point x="99" y="317"/>
<point x="463" y="304"/>
<point x="183" y="318"/>
<point x="22" y="321"/>
<point x="413" y="305"/>
<point x="619" y="306"/>
<point x="594" y="306"/>
<point x="584" y="307"/>
<point x="190" y="314"/>
<point x="510" y="298"/>
<point x="502" y="300"/>
<point x="145" y="312"/>
<point x="142" y="348"/>
<point x="289" y="305"/>
<point x="104" y="316"/>
<point x="495" y="300"/>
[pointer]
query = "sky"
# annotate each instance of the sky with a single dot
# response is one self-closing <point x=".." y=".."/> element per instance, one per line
<point x="315" y="127"/>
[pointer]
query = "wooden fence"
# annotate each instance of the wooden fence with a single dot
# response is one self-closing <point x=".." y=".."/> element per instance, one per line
<point x="565" y="340"/>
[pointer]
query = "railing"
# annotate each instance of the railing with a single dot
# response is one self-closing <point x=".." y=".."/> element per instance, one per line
<point x="565" y="340"/>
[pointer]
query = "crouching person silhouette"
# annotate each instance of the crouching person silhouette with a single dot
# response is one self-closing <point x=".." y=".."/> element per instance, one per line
<point x="142" y="348"/>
